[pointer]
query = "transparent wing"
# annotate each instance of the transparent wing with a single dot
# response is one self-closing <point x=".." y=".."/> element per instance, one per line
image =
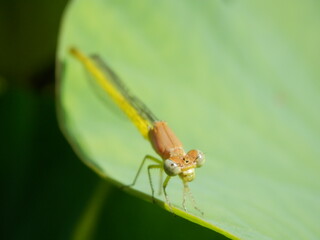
<point x="140" y="107"/>
<point x="107" y="80"/>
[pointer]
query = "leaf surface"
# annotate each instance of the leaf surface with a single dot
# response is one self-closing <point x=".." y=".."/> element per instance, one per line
<point x="237" y="79"/>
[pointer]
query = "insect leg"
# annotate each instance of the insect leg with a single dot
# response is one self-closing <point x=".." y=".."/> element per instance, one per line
<point x="141" y="165"/>
<point x="164" y="186"/>
<point x="161" y="179"/>
<point x="186" y="190"/>
<point x="150" y="179"/>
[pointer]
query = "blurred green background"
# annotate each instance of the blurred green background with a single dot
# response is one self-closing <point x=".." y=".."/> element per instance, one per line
<point x="47" y="190"/>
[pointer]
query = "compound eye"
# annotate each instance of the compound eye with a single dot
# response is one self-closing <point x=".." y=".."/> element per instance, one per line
<point x="171" y="168"/>
<point x="200" y="159"/>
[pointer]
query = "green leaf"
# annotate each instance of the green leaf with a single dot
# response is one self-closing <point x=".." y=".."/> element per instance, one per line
<point x="237" y="79"/>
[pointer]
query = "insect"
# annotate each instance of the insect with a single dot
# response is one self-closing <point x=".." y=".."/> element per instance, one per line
<point x="175" y="161"/>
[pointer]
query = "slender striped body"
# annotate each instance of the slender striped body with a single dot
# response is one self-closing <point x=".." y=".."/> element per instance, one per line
<point x="165" y="143"/>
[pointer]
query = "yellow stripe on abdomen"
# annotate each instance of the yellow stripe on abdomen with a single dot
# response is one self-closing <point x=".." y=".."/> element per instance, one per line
<point x="142" y="124"/>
